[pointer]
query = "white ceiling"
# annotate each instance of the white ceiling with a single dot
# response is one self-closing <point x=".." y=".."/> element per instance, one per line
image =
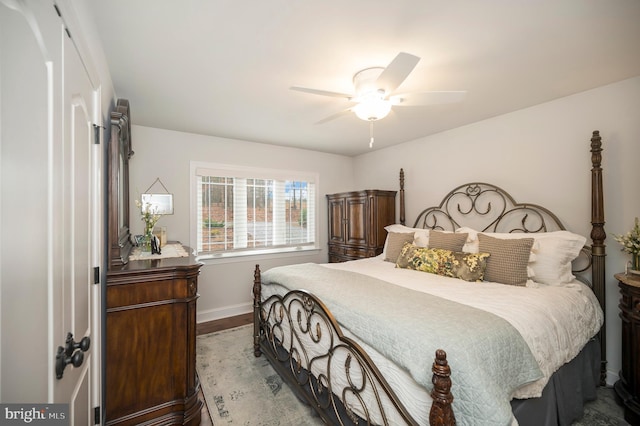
<point x="224" y="67"/>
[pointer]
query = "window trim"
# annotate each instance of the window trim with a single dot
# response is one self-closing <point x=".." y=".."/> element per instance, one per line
<point x="253" y="173"/>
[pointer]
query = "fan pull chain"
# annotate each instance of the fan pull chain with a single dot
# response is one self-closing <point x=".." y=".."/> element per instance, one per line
<point x="371" y="133"/>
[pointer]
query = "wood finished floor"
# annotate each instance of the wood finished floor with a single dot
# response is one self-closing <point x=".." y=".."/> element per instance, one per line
<point x="211" y="327"/>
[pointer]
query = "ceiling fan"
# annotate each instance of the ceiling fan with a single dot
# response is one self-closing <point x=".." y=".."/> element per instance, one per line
<point x="374" y="91"/>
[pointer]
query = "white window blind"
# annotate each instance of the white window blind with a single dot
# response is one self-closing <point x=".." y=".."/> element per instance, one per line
<point x="241" y="210"/>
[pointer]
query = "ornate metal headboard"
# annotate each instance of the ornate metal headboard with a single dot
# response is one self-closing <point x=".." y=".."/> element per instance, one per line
<point x="487" y="208"/>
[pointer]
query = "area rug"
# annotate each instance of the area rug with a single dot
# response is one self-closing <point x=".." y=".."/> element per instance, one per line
<point x="241" y="389"/>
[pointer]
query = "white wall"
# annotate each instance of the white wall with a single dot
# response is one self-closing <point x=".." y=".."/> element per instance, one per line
<point x="540" y="155"/>
<point x="224" y="286"/>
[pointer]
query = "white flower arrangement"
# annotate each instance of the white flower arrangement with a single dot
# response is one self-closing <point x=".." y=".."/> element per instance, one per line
<point x="631" y="240"/>
<point x="149" y="216"/>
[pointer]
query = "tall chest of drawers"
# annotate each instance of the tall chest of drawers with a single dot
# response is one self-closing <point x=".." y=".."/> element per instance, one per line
<point x="356" y="223"/>
<point x="151" y="343"/>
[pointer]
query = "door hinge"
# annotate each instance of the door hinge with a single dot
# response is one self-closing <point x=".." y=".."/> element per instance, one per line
<point x="96" y="275"/>
<point x="66" y="30"/>
<point x="96" y="134"/>
<point x="96" y="415"/>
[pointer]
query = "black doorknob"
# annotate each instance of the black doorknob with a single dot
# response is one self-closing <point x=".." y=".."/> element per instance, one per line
<point x="71" y="353"/>
<point x="71" y="345"/>
<point x="62" y="360"/>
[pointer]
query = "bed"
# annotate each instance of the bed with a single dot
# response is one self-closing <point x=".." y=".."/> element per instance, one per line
<point x="485" y="311"/>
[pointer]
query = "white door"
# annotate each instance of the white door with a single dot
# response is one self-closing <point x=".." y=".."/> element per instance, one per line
<point x="51" y="215"/>
<point x="73" y="317"/>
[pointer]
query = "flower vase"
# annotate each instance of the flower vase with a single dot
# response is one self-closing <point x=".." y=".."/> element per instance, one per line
<point x="146" y="239"/>
<point x="635" y="262"/>
<point x="145" y="243"/>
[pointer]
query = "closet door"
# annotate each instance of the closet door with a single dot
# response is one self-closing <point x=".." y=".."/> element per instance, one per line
<point x="76" y="239"/>
<point x="50" y="218"/>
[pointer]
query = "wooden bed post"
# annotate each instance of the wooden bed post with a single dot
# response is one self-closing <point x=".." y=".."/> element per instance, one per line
<point x="257" y="289"/>
<point x="441" y="413"/>
<point x="598" y="236"/>
<point x="402" y="218"/>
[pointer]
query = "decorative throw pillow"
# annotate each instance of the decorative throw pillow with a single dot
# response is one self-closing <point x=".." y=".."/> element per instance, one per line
<point x="466" y="266"/>
<point x="508" y="261"/>
<point x="551" y="253"/>
<point x="405" y="256"/>
<point x="395" y="242"/>
<point x="469" y="266"/>
<point x="398" y="229"/>
<point x="447" y="240"/>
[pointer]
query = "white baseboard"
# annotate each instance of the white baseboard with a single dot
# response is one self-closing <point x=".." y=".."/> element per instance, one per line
<point x="226" y="312"/>
<point x="611" y="378"/>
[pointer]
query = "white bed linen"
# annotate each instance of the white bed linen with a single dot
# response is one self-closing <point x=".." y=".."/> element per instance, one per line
<point x="546" y="309"/>
<point x="555" y="321"/>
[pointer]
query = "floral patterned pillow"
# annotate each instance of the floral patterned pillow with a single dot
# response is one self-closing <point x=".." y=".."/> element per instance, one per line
<point x="466" y="266"/>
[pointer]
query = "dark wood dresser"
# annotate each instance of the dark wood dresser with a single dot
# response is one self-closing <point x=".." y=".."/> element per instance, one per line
<point x="628" y="387"/>
<point x="356" y="223"/>
<point x="151" y="343"/>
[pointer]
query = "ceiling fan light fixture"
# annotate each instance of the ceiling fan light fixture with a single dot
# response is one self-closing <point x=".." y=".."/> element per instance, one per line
<point x="373" y="108"/>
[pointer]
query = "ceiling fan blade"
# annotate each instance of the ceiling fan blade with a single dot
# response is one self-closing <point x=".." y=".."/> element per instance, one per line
<point x="428" y="98"/>
<point x="321" y="92"/>
<point x="396" y="72"/>
<point x="336" y="115"/>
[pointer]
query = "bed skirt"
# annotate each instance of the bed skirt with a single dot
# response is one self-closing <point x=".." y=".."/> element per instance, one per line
<point x="563" y="398"/>
<point x="561" y="403"/>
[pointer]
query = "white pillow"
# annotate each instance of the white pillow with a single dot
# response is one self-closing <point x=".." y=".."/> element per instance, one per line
<point x="554" y="256"/>
<point x="421" y="238"/>
<point x="552" y="253"/>
<point x="396" y="227"/>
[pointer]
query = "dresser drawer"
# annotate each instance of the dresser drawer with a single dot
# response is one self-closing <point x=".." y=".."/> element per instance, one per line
<point x="355" y="252"/>
<point x="336" y="249"/>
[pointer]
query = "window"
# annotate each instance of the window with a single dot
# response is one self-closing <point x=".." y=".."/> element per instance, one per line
<point x="238" y="210"/>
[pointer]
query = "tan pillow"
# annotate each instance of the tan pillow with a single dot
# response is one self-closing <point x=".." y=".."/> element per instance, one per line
<point x="447" y="240"/>
<point x="395" y="241"/>
<point x="508" y="261"/>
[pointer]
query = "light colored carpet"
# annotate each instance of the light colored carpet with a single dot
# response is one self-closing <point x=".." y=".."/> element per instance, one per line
<point x="603" y="411"/>
<point x="241" y="389"/>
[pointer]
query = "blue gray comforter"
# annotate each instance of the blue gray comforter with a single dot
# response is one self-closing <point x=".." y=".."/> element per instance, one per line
<point x="488" y="357"/>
